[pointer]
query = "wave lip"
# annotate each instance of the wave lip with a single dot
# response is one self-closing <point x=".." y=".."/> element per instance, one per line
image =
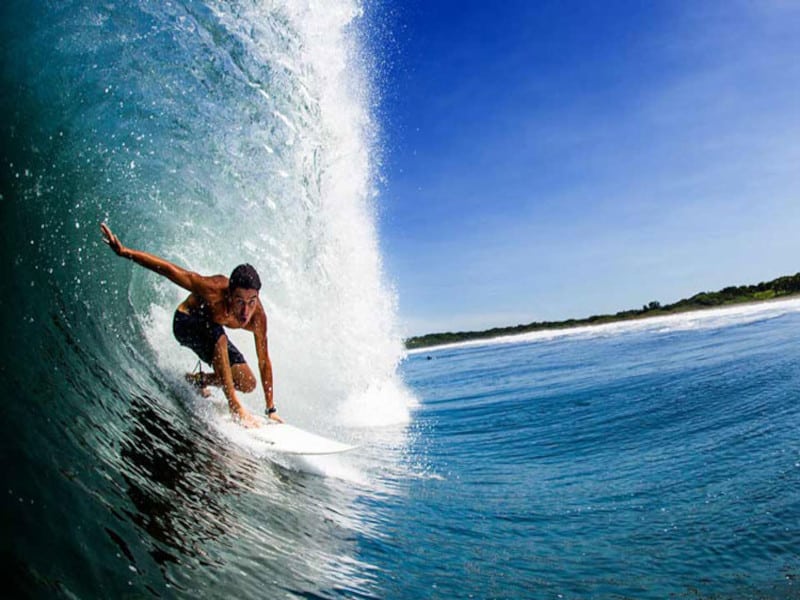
<point x="272" y="151"/>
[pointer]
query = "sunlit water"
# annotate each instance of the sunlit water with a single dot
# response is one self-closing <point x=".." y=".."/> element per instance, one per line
<point x="639" y="460"/>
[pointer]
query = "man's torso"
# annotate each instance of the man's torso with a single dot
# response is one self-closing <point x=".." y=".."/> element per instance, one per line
<point x="211" y="299"/>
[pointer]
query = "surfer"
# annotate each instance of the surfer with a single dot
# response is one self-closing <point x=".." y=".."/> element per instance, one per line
<point x="216" y="301"/>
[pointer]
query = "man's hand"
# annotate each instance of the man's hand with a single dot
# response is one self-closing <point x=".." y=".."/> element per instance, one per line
<point x="112" y="240"/>
<point x="247" y="420"/>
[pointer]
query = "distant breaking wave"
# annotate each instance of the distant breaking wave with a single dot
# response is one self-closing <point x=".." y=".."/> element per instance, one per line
<point x="701" y="319"/>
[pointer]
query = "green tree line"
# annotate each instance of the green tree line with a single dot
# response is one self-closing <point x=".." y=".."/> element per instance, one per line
<point x="782" y="286"/>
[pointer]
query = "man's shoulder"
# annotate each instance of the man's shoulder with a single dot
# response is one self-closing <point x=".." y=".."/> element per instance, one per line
<point x="212" y="283"/>
<point x="219" y="281"/>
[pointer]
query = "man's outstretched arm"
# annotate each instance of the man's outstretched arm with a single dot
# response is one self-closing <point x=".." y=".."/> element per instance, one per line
<point x="182" y="277"/>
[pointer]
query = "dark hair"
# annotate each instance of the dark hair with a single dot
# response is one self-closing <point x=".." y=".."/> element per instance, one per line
<point x="244" y="276"/>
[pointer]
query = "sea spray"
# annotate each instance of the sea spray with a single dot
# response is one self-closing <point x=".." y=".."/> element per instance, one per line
<point x="283" y="179"/>
<point x="210" y="134"/>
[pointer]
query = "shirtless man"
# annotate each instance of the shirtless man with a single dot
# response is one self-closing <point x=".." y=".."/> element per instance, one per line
<point x="214" y="302"/>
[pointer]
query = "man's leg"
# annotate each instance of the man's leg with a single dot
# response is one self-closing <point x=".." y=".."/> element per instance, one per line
<point x="243" y="378"/>
<point x="194" y="333"/>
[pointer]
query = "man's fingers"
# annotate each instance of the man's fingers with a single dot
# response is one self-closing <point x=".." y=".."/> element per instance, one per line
<point x="247" y="421"/>
<point x="109" y="237"/>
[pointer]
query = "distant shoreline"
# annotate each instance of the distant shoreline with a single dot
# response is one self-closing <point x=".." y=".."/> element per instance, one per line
<point x="781" y="288"/>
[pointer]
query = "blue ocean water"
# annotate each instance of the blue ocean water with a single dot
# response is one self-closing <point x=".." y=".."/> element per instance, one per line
<point x="645" y="460"/>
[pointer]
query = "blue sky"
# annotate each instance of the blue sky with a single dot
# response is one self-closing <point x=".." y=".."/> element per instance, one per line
<point x="547" y="160"/>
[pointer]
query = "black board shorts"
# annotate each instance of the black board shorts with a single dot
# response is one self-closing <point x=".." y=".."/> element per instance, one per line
<point x="198" y="332"/>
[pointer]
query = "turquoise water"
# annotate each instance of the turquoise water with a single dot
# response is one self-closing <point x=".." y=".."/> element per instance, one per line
<point x="638" y="461"/>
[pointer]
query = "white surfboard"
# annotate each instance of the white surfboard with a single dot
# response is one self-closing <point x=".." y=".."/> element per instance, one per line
<point x="288" y="439"/>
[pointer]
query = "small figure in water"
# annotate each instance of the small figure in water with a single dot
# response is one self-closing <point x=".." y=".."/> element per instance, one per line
<point x="216" y="301"/>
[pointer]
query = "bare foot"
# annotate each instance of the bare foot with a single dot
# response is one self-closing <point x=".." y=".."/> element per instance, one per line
<point x="198" y="382"/>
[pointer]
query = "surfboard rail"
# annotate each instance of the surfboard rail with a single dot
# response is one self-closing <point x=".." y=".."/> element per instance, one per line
<point x="290" y="439"/>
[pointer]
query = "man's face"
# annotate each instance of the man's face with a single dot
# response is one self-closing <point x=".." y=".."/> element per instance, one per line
<point x="244" y="303"/>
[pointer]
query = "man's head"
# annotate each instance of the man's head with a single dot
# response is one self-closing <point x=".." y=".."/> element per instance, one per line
<point x="243" y="286"/>
<point x="244" y="276"/>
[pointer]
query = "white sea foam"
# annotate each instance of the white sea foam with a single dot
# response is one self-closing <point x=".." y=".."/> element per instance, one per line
<point x="290" y="185"/>
<point x="713" y="318"/>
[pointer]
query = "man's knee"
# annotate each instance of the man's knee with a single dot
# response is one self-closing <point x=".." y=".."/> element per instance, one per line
<point x="244" y="377"/>
<point x="249" y="384"/>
